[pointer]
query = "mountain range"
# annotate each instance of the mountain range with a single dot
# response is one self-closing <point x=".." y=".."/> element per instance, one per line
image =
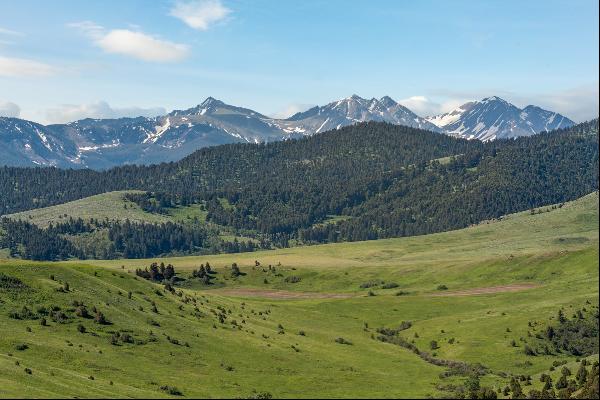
<point x="103" y="143"/>
<point x="495" y="118"/>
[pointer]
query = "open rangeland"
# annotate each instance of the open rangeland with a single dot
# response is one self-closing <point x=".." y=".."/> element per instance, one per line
<point x="306" y="321"/>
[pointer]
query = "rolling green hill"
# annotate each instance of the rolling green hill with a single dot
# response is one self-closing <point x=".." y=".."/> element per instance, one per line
<point x="303" y="322"/>
<point x="111" y="205"/>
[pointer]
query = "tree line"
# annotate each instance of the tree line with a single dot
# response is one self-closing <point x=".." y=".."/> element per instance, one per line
<point x="125" y="239"/>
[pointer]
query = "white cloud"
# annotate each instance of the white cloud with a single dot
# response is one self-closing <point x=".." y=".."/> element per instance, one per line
<point x="199" y="14"/>
<point x="142" y="46"/>
<point x="90" y="28"/>
<point x="452" y="104"/>
<point x="135" y="44"/>
<point x="578" y="103"/>
<point x="421" y="105"/>
<point x="290" y="110"/>
<point x="101" y="109"/>
<point x="22" y="67"/>
<point x="9" y="109"/>
<point x="426" y="107"/>
<point x="4" y="31"/>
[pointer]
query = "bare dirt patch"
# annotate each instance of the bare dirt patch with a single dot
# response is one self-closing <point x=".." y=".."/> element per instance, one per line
<point x="279" y="294"/>
<point x="516" y="287"/>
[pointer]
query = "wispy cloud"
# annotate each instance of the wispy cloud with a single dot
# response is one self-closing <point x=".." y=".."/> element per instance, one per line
<point x="9" y="109"/>
<point x="290" y="110"/>
<point x="101" y="109"/>
<point x="9" y="32"/>
<point x="23" y="67"/>
<point x="421" y="105"/>
<point x="578" y="103"/>
<point x="131" y="43"/>
<point x="424" y="106"/>
<point x="200" y="14"/>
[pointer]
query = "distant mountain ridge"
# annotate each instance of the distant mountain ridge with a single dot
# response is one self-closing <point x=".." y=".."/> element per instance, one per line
<point x="494" y="118"/>
<point x="103" y="143"/>
<point x="356" y="109"/>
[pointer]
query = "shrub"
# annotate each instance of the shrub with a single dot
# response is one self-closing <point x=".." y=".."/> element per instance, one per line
<point x="404" y="325"/>
<point x="442" y="287"/>
<point x="390" y="285"/>
<point x="114" y="339"/>
<point x="100" y="318"/>
<point x="529" y="351"/>
<point x="25" y="313"/>
<point x="11" y="283"/>
<point x="59" y="317"/>
<point x="261" y="395"/>
<point x="172" y="390"/>
<point x="370" y="284"/>
<point x="21" y="347"/>
<point x="82" y="312"/>
<point x="341" y="340"/>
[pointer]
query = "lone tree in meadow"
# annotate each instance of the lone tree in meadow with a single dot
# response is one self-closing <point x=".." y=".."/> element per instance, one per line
<point x="235" y="270"/>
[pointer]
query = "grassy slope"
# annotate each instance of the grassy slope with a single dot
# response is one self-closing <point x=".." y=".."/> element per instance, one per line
<point x="114" y="206"/>
<point x="107" y="205"/>
<point x="557" y="250"/>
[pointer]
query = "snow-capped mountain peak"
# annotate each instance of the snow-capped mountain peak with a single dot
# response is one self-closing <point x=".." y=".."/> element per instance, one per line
<point x="355" y="109"/>
<point x="494" y="118"/>
<point x="387" y="101"/>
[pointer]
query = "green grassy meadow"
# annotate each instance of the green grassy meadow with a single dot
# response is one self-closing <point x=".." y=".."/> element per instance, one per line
<point x="111" y="206"/>
<point x="242" y="336"/>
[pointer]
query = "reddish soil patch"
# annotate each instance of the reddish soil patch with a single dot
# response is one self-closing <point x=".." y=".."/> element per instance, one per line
<point x="516" y="287"/>
<point x="278" y="294"/>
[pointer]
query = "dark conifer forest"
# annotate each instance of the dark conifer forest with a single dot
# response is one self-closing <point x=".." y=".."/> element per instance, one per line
<point x="379" y="180"/>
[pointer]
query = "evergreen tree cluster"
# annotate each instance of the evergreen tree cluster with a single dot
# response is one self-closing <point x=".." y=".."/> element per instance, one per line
<point x="156" y="272"/>
<point x="125" y="239"/>
<point x="34" y="243"/>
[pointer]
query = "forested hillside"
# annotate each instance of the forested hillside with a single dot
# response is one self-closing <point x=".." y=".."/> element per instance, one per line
<point x="366" y="181"/>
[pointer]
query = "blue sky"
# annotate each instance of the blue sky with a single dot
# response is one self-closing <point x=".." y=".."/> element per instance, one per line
<point x="64" y="60"/>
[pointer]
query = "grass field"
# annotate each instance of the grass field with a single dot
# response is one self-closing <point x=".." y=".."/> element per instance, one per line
<point x="111" y="205"/>
<point x="240" y="336"/>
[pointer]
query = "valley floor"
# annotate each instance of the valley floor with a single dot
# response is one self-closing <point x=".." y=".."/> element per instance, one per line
<point x="303" y="322"/>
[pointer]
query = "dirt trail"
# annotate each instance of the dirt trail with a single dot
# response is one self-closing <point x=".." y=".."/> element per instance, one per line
<point x="516" y="287"/>
<point x="278" y="294"/>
